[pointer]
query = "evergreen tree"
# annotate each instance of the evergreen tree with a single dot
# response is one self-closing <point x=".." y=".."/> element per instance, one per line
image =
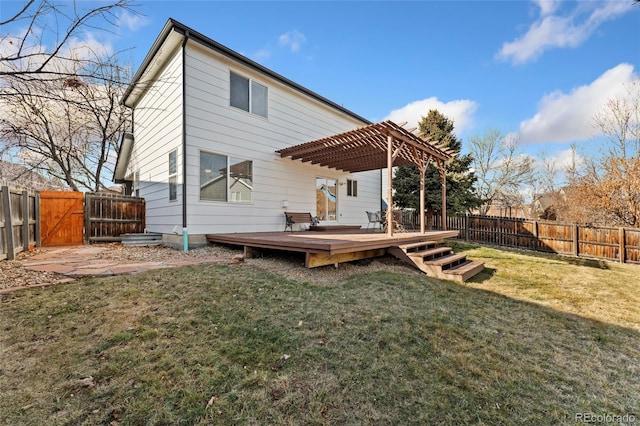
<point x="461" y="196"/>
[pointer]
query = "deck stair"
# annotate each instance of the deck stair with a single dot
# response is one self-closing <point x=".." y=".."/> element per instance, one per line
<point x="437" y="260"/>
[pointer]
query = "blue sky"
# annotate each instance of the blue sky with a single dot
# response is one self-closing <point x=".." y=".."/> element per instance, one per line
<point x="541" y="68"/>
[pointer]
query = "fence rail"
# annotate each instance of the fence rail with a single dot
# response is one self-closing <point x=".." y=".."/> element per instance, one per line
<point x="595" y="242"/>
<point x="19" y="221"/>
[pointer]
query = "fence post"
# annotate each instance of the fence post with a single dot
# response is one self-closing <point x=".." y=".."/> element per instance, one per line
<point x="8" y="223"/>
<point x="36" y="214"/>
<point x="576" y="243"/>
<point x="25" y="220"/>
<point x="466" y="227"/>
<point x="87" y="220"/>
<point x="623" y="246"/>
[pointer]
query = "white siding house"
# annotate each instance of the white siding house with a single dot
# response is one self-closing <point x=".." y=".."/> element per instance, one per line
<point x="202" y="152"/>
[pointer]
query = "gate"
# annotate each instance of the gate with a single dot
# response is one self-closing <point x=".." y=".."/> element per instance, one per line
<point x="108" y="216"/>
<point x="62" y="218"/>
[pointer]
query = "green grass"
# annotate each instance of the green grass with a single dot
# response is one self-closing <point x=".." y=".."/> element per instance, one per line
<point x="522" y="343"/>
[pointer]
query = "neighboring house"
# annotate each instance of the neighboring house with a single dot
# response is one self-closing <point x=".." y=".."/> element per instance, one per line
<point x="548" y="205"/>
<point x="507" y="206"/>
<point x="207" y="123"/>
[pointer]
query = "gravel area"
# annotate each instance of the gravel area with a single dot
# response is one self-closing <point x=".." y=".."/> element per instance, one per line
<point x="13" y="274"/>
<point x="292" y="266"/>
<point x="153" y="253"/>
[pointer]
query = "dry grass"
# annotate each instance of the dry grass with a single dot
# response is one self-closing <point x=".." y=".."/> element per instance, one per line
<point x="265" y="343"/>
<point x="603" y="291"/>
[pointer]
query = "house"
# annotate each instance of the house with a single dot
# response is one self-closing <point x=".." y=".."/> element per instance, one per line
<point x="203" y="149"/>
<point x="16" y="175"/>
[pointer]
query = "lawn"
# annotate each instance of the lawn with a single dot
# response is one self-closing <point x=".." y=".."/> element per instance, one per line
<point x="535" y="339"/>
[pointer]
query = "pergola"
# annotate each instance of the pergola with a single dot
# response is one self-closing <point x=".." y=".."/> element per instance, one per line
<point x="374" y="147"/>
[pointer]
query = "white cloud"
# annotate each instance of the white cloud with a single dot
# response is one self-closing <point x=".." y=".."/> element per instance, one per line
<point x="87" y="48"/>
<point x="566" y="159"/>
<point x="131" y="21"/>
<point x="34" y="53"/>
<point x="292" y="40"/>
<point x="547" y="7"/>
<point x="262" y="54"/>
<point x="567" y="117"/>
<point x="553" y="30"/>
<point x="460" y="111"/>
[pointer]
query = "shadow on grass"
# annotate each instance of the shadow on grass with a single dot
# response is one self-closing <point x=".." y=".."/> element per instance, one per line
<point x="485" y="275"/>
<point x="459" y="246"/>
<point x="238" y="345"/>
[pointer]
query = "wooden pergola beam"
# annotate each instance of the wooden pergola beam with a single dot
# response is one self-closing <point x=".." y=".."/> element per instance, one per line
<point x="374" y="147"/>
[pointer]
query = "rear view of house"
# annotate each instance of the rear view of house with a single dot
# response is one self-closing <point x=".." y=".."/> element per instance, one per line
<point x="207" y="123"/>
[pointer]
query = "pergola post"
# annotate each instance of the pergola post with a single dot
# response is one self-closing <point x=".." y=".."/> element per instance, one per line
<point x="423" y="170"/>
<point x="390" y="185"/>
<point x="443" y="176"/>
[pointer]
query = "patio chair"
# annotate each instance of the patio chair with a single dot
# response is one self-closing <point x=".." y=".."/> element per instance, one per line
<point x="374" y="217"/>
<point x="408" y="222"/>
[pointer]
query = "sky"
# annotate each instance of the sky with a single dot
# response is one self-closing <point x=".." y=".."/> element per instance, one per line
<point x="538" y="68"/>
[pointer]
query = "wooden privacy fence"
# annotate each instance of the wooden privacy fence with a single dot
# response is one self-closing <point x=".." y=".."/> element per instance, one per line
<point x="53" y="218"/>
<point x="598" y="242"/>
<point x="108" y="216"/>
<point x="19" y="224"/>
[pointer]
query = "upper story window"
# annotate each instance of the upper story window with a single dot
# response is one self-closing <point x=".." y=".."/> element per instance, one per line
<point x="248" y="95"/>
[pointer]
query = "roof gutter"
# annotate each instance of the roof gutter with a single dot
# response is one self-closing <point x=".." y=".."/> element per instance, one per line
<point x="173" y="25"/>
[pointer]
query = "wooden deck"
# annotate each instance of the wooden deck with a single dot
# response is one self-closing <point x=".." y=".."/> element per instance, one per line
<point x="327" y="248"/>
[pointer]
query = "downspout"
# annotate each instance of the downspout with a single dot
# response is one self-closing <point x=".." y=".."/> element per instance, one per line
<point x="132" y="184"/>
<point x="185" y="234"/>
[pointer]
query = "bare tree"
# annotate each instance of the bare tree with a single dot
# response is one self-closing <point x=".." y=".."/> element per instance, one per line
<point x="619" y="121"/>
<point x="60" y="90"/>
<point x="43" y="50"/>
<point x="500" y="168"/>
<point x="611" y="183"/>
<point x="68" y="129"/>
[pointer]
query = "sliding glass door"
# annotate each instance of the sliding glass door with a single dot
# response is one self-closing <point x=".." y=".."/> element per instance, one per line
<point x="326" y="192"/>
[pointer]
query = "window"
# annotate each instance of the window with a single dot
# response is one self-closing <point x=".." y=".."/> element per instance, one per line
<point x="225" y="178"/>
<point x="352" y="188"/>
<point x="173" y="175"/>
<point x="136" y="183"/>
<point x="248" y="95"/>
